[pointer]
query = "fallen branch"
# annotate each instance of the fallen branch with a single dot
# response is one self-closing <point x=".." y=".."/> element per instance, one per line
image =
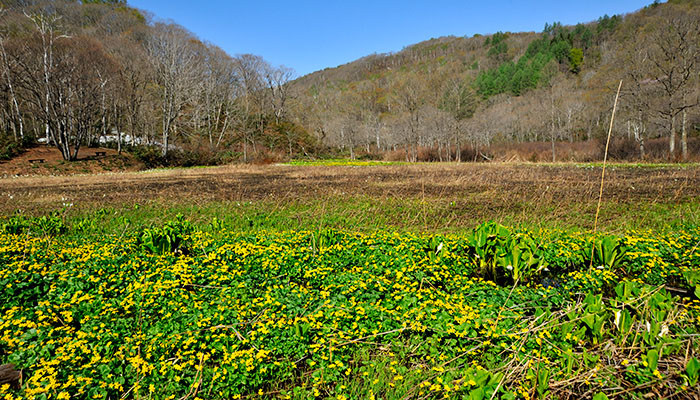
<point x="8" y="374"/>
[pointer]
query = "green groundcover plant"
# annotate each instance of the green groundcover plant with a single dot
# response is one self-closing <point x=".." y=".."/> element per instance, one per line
<point x="175" y="312"/>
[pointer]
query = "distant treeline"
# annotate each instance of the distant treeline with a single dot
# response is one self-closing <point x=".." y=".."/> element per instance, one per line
<point x="83" y="73"/>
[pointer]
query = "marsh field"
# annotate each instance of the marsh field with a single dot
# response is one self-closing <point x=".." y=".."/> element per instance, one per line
<point x="429" y="197"/>
<point x="348" y="280"/>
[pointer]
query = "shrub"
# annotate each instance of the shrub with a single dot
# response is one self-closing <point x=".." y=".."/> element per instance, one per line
<point x="9" y="147"/>
<point x="621" y="149"/>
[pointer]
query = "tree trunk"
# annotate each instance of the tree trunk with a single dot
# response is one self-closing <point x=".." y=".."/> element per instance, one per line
<point x="117" y="124"/>
<point x="554" y="156"/>
<point x="458" y="150"/>
<point x="458" y="147"/>
<point x="164" y="152"/>
<point x="684" y="137"/>
<point x="46" y="97"/>
<point x="672" y="139"/>
<point x="132" y="129"/>
<point x="104" y="115"/>
<point x="245" y="150"/>
<point x="14" y="102"/>
<point x="588" y="133"/>
<point x="629" y="130"/>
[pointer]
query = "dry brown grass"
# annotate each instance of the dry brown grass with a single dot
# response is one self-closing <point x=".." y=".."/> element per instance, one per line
<point x="466" y="192"/>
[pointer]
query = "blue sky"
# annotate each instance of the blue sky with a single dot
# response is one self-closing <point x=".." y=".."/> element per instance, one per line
<point x="312" y="35"/>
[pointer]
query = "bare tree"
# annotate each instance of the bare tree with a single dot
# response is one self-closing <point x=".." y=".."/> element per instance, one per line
<point x="173" y="58"/>
<point x="460" y="101"/>
<point x="129" y="88"/>
<point x="277" y="79"/>
<point x="7" y="67"/>
<point x="408" y="95"/>
<point x="73" y="89"/>
<point x="249" y="70"/>
<point x="47" y="26"/>
<point x="638" y="93"/>
<point x="674" y="54"/>
<point x="218" y="87"/>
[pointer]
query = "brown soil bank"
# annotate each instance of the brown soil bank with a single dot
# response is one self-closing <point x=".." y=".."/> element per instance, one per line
<point x="48" y="161"/>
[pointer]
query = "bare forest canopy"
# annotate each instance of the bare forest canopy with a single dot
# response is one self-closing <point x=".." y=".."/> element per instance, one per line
<point x="487" y="93"/>
<point x="81" y="73"/>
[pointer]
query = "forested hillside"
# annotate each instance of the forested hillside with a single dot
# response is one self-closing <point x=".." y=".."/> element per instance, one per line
<point x="78" y="73"/>
<point x="554" y="86"/>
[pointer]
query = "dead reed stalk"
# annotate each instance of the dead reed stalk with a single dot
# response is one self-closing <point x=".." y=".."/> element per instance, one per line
<point x="602" y="176"/>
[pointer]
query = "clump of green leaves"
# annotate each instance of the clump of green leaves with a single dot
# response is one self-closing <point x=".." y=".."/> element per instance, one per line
<point x="324" y="238"/>
<point x="521" y="258"/>
<point x="217" y="225"/>
<point x="483" y="243"/>
<point x="16" y="224"/>
<point x="607" y="252"/>
<point x="84" y="225"/>
<point x="46" y="225"/>
<point x="50" y="225"/>
<point x="172" y="237"/>
<point x="501" y="253"/>
<point x="692" y="371"/>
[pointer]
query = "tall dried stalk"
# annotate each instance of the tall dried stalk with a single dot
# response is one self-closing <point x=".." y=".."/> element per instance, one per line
<point x="602" y="176"/>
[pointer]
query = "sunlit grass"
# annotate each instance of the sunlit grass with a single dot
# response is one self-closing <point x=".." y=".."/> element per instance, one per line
<point x="343" y="162"/>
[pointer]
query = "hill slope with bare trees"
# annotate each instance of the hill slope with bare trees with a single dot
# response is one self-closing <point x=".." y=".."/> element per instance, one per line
<point x="80" y="73"/>
<point x="491" y="92"/>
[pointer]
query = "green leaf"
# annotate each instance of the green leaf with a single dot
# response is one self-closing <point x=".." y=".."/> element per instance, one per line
<point x="692" y="369"/>
<point x="653" y="359"/>
<point x="477" y="394"/>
